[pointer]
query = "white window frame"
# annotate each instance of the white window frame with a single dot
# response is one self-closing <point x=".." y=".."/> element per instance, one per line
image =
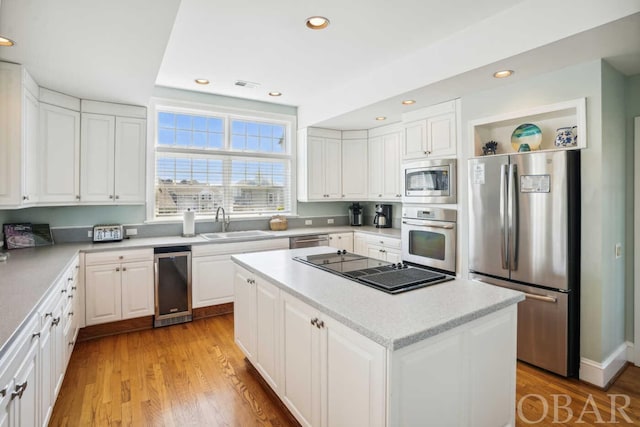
<point x="228" y="114"/>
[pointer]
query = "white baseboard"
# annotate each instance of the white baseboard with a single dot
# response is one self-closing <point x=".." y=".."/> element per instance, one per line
<point x="600" y="374"/>
<point x="633" y="354"/>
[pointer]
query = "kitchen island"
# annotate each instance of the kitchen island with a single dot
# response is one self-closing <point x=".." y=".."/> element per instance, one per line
<point x="340" y="353"/>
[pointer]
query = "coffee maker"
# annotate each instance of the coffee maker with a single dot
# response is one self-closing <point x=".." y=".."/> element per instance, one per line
<point x="355" y="214"/>
<point x="383" y="216"/>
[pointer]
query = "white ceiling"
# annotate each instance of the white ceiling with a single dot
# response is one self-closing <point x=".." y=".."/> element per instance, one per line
<point x="374" y="53"/>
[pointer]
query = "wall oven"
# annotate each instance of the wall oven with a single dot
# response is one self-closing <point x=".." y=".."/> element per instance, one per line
<point x="429" y="237"/>
<point x="429" y="181"/>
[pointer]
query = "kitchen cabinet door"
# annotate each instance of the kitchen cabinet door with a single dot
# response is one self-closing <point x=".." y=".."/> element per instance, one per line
<point x="130" y="150"/>
<point x="391" y="167"/>
<point x="441" y="135"/>
<point x="354" y="169"/>
<point x="267" y="332"/>
<point x="376" y="252"/>
<point x="97" y="158"/>
<point x="333" y="168"/>
<point x="376" y="168"/>
<point x="137" y="283"/>
<point x="353" y="377"/>
<point x="213" y="278"/>
<point x="393" y="256"/>
<point x="342" y="241"/>
<point x="103" y="294"/>
<point x="30" y="181"/>
<point x="360" y="244"/>
<point x="59" y="154"/>
<point x="315" y="168"/>
<point x="244" y="312"/>
<point x="415" y="140"/>
<point x="25" y="405"/>
<point x="300" y="389"/>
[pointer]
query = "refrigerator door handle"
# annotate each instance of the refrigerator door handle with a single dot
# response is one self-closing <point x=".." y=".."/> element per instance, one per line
<point x="512" y="214"/>
<point x="503" y="212"/>
<point x="543" y="298"/>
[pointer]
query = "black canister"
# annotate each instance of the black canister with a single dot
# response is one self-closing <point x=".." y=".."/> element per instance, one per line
<point x="355" y="214"/>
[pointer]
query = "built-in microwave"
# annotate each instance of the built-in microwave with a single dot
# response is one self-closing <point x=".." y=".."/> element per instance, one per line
<point x="429" y="181"/>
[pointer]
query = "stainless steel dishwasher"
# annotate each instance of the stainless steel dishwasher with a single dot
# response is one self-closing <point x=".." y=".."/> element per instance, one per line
<point x="308" y="241"/>
<point x="172" y="265"/>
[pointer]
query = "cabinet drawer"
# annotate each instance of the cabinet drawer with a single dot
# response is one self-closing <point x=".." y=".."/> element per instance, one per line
<point x="239" y="247"/>
<point x="387" y="242"/>
<point x="115" y="257"/>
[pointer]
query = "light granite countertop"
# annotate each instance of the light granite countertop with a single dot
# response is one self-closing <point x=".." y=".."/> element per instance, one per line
<point x="394" y="321"/>
<point x="28" y="274"/>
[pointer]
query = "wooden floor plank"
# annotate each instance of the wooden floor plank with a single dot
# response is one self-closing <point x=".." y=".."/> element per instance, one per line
<point x="193" y="374"/>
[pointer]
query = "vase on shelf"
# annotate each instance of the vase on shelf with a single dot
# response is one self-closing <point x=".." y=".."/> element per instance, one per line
<point x="566" y="137"/>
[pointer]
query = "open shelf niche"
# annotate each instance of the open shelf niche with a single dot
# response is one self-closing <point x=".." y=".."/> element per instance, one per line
<point x="547" y="117"/>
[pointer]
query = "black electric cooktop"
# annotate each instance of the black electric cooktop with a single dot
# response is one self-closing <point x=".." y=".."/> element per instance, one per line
<point x="385" y="276"/>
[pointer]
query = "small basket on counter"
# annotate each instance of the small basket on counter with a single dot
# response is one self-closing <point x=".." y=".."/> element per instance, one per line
<point x="278" y="223"/>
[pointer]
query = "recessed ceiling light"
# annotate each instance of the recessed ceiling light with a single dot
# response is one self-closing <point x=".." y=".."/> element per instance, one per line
<point x="408" y="102"/>
<point x="202" y="81"/>
<point x="380" y="118"/>
<point x="317" y="22"/>
<point x="275" y="94"/>
<point x="6" y="42"/>
<point x="502" y="74"/>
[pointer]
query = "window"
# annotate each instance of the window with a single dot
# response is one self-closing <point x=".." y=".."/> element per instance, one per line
<point x="205" y="160"/>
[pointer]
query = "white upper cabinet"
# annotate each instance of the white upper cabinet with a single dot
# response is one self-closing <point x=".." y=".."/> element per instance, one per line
<point x="113" y="154"/>
<point x="431" y="132"/>
<point x="18" y="137"/>
<point x="319" y="165"/>
<point x="384" y="165"/>
<point x="354" y="165"/>
<point x="59" y="148"/>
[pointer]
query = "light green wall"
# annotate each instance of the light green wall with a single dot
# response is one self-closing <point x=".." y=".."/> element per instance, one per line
<point x="632" y="104"/>
<point x="312" y="209"/>
<point x="583" y="80"/>
<point x="614" y="208"/>
<point x="70" y="216"/>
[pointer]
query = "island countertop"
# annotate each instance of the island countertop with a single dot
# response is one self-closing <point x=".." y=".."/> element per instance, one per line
<point x="394" y="321"/>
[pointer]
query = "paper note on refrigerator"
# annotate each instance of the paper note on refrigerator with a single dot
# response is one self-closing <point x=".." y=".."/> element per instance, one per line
<point x="478" y="174"/>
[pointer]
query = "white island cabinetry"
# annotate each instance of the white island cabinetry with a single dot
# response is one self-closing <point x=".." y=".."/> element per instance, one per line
<point x="213" y="271"/>
<point x="420" y="366"/>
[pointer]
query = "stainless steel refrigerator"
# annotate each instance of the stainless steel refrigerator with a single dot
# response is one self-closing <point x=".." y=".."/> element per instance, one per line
<point x="524" y="234"/>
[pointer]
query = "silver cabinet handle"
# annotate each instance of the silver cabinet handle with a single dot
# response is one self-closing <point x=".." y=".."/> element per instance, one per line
<point x="543" y="298"/>
<point x="311" y="240"/>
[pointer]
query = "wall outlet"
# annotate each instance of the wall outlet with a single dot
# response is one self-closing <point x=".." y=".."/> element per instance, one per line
<point x="89" y="233"/>
<point x="618" y="250"/>
<point x="131" y="231"/>
<point x="308" y="221"/>
<point x="330" y="221"/>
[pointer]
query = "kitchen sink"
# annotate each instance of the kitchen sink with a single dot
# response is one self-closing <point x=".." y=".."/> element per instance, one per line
<point x="235" y="235"/>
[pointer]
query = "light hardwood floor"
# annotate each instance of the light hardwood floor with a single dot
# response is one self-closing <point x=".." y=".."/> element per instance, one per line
<point x="194" y="375"/>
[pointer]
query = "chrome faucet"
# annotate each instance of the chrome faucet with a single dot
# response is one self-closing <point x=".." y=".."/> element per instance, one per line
<point x="225" y="221"/>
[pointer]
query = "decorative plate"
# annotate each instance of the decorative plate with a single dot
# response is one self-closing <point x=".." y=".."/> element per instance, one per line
<point x="526" y="133"/>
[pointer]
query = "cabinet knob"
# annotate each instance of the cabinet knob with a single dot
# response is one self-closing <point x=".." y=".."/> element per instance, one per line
<point x="69" y="279"/>
<point x="48" y="314"/>
<point x="55" y="321"/>
<point x="427" y="152"/>
<point x="70" y="313"/>
<point x="64" y="291"/>
<point x="120" y="257"/>
<point x="124" y="268"/>
<point x="320" y="324"/>
<point x="25" y="197"/>
<point x="343" y="195"/>
<point x="314" y="320"/>
<point x="117" y="268"/>
<point x="117" y="197"/>
<point x="77" y="197"/>
<point x="71" y="343"/>
<point x="111" y="196"/>
<point x="3" y="392"/>
<point x="70" y="296"/>
<point x="379" y="195"/>
<point x="36" y="335"/>
<point x="73" y="288"/>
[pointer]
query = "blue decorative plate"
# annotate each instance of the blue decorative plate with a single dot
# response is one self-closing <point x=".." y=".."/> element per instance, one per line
<point x="527" y="133"/>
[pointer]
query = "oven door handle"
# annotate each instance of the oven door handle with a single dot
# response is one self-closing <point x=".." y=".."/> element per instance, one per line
<point x="430" y="225"/>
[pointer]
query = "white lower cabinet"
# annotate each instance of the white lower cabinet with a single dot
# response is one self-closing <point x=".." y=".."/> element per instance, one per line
<point x="118" y="285"/>
<point x="256" y="328"/>
<point x="342" y="241"/>
<point x="324" y="372"/>
<point x="382" y="248"/>
<point x="213" y="271"/>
